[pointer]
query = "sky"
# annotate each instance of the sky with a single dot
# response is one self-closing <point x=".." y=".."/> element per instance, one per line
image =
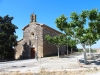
<point x="46" y="10"/>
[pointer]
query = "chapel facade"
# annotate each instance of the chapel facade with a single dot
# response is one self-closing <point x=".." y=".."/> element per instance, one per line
<point x="33" y="44"/>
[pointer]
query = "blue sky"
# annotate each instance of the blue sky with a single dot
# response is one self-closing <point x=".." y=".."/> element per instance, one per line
<point x="46" y="10"/>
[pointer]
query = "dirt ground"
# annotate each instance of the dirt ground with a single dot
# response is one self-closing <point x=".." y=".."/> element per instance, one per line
<point x="71" y="62"/>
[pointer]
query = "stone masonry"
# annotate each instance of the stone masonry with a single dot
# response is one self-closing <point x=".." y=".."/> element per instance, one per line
<point x="34" y="37"/>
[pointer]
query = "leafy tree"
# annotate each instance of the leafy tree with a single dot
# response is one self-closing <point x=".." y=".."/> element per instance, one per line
<point x="56" y="40"/>
<point x="7" y="37"/>
<point x="94" y="27"/>
<point x="65" y="41"/>
<point x="77" y="30"/>
<point x="90" y="41"/>
<point x="72" y="44"/>
<point x="62" y="24"/>
<point x="77" y="25"/>
<point x="83" y="34"/>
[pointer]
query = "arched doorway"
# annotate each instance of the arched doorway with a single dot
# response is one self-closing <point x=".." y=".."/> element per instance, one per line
<point x="33" y="52"/>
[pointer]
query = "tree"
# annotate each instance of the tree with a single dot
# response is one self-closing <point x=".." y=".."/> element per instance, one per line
<point x="62" y="24"/>
<point x="77" y="25"/>
<point x="72" y="44"/>
<point x="65" y="41"/>
<point x="90" y="41"/>
<point x="56" y="40"/>
<point x="77" y="29"/>
<point x="7" y="37"/>
<point x="94" y="27"/>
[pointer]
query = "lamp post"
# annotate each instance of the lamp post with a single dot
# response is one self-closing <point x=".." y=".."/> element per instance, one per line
<point x="36" y="43"/>
<point x="37" y="47"/>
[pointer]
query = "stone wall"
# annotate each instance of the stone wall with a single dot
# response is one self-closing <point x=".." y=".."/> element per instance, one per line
<point x="50" y="49"/>
<point x="29" y="41"/>
<point x="34" y="36"/>
<point x="22" y="50"/>
<point x="19" y="49"/>
<point x="34" y="40"/>
<point x="39" y="41"/>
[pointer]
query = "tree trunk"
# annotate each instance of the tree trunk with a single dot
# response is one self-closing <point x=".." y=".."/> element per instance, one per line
<point x="89" y="49"/>
<point x="85" y="59"/>
<point x="0" y="57"/>
<point x="67" y="48"/>
<point x="58" y="52"/>
<point x="71" y="50"/>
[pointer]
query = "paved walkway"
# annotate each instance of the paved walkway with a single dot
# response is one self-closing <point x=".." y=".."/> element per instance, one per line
<point x="47" y="63"/>
<point x="95" y="74"/>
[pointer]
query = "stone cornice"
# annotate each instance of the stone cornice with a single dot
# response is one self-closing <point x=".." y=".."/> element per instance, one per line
<point x="20" y="40"/>
<point x="25" y="27"/>
<point x="42" y="25"/>
<point x="50" y="28"/>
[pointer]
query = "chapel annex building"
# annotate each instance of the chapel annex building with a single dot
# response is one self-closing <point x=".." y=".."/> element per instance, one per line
<point x="34" y="43"/>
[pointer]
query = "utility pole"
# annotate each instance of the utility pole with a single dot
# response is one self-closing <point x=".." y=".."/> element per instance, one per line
<point x="36" y="43"/>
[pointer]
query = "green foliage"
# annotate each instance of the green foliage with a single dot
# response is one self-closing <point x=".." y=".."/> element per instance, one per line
<point x="7" y="36"/>
<point x="61" y="22"/>
<point x="93" y="33"/>
<point x="76" y="27"/>
<point x="56" y="40"/>
<point x="63" y="25"/>
<point x="72" y="43"/>
<point x="80" y="50"/>
<point x="93" y="51"/>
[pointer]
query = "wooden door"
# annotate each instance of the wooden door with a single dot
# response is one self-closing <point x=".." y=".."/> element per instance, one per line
<point x="32" y="52"/>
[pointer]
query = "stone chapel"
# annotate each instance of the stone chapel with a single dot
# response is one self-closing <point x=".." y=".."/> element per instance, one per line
<point x="33" y="43"/>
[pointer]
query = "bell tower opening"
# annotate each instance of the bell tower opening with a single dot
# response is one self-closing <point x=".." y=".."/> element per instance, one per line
<point x="32" y="18"/>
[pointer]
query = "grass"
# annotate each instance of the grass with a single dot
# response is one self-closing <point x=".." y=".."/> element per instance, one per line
<point x="44" y="72"/>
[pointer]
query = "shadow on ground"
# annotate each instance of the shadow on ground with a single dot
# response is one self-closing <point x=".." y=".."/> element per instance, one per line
<point x="93" y="59"/>
<point x="70" y="55"/>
